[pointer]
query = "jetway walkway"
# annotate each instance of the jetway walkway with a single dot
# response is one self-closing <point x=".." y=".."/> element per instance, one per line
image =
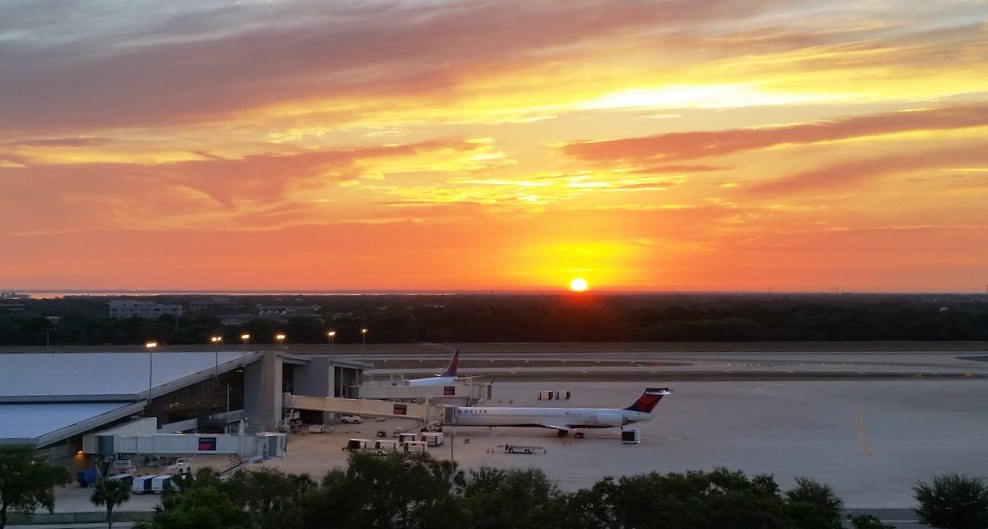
<point x="364" y="407"/>
<point x="463" y="392"/>
<point x="141" y="437"/>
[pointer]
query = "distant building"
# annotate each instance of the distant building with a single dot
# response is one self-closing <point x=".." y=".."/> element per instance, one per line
<point x="142" y="309"/>
<point x="216" y="305"/>
<point x="11" y="306"/>
<point x="288" y="310"/>
<point x="10" y="294"/>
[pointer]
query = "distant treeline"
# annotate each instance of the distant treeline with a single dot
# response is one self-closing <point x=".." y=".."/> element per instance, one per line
<point x="469" y="318"/>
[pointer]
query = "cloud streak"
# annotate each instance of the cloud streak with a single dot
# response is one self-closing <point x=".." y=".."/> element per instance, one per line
<point x="848" y="176"/>
<point x="244" y="192"/>
<point x="193" y="66"/>
<point x="697" y="145"/>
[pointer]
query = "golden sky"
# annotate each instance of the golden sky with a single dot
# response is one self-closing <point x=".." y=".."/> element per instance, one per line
<point x="494" y="145"/>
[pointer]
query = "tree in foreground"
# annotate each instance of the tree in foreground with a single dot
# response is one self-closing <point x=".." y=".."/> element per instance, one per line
<point x="202" y="507"/>
<point x="812" y="505"/>
<point x="953" y="501"/>
<point x="703" y="500"/>
<point x="408" y="491"/>
<point x="415" y="491"/>
<point x="271" y="496"/>
<point x="512" y="499"/>
<point x="27" y="482"/>
<point x="109" y="492"/>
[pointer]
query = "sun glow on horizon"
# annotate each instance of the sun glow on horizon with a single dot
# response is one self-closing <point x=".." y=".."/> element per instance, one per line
<point x="641" y="148"/>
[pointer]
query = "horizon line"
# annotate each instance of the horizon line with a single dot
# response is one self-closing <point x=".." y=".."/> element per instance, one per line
<point x="382" y="292"/>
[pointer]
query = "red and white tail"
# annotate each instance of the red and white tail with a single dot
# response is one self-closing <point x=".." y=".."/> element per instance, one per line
<point x="649" y="400"/>
<point x="453" y="363"/>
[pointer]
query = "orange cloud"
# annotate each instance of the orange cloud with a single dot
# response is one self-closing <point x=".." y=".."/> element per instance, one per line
<point x="693" y="145"/>
<point x="254" y="192"/>
<point x="848" y="175"/>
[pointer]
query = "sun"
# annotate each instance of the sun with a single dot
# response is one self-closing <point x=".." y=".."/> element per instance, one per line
<point x="578" y="284"/>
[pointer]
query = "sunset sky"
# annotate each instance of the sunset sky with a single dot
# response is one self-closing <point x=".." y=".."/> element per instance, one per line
<point x="494" y="145"/>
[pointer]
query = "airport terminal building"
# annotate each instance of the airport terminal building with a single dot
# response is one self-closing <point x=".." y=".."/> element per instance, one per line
<point x="52" y="401"/>
<point x="76" y="407"/>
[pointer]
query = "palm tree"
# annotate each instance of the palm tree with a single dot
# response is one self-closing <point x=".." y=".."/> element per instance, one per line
<point x="110" y="492"/>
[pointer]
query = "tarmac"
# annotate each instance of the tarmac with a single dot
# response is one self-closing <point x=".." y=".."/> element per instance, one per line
<point x="870" y="439"/>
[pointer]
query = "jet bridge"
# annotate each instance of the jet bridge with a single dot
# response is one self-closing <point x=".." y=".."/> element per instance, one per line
<point x="364" y="407"/>
<point x="141" y="437"/>
<point x="465" y="391"/>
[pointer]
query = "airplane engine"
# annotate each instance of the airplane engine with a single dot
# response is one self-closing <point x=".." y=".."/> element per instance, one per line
<point x="609" y="419"/>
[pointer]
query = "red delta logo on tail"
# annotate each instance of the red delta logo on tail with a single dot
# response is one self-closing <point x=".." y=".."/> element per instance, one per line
<point x="453" y="363"/>
<point x="649" y="400"/>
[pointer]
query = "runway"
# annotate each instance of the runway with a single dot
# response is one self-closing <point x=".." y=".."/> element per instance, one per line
<point x="612" y="362"/>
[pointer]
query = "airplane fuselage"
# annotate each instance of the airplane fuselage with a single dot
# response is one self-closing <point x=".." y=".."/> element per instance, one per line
<point x="560" y="419"/>
<point x="432" y="381"/>
<point x="557" y="418"/>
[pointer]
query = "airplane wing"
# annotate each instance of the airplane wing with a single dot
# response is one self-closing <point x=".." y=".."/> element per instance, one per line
<point x="556" y="427"/>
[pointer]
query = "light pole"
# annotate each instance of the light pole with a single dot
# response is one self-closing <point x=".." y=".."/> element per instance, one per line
<point x="363" y="344"/>
<point x="280" y="338"/>
<point x="150" y="346"/>
<point x="332" y="339"/>
<point x="245" y="337"/>
<point x="216" y="341"/>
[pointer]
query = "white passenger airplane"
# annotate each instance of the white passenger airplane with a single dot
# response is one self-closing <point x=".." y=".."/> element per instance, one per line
<point x="445" y="378"/>
<point x="560" y="419"/>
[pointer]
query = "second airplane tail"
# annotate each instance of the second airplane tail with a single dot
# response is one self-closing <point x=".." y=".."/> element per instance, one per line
<point x="453" y="363"/>
<point x="649" y="400"/>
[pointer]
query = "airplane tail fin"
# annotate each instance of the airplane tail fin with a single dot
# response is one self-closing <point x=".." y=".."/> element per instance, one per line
<point x="453" y="363"/>
<point x="649" y="400"/>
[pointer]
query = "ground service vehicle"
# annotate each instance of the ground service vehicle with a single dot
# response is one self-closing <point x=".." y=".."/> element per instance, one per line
<point x="141" y="484"/>
<point x="357" y="445"/>
<point x="161" y="483"/>
<point x="414" y="447"/>
<point x="182" y="465"/>
<point x="431" y="438"/>
<point x="383" y="447"/>
<point x="522" y="449"/>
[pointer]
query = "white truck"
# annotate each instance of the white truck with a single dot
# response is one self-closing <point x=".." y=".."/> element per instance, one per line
<point x="351" y="419"/>
<point x="182" y="465"/>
